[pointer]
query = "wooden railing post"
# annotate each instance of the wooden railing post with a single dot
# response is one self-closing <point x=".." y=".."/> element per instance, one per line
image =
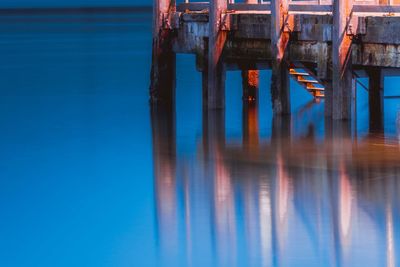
<point x="214" y="95"/>
<point x="162" y="84"/>
<point x="279" y="41"/>
<point x="341" y="61"/>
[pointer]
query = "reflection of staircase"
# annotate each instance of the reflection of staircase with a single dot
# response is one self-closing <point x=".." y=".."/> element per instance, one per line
<point x="308" y="82"/>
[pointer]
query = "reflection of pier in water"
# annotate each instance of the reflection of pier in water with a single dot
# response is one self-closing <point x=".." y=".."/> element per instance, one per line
<point x="282" y="200"/>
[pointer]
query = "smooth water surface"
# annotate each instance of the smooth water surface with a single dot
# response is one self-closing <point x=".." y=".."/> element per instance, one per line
<point x="91" y="176"/>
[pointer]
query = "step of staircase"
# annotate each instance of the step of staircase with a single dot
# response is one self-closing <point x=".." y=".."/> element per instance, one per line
<point x="307" y="81"/>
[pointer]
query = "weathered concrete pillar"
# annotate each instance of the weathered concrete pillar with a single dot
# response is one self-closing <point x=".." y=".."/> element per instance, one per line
<point x="341" y="61"/>
<point x="162" y="84"/>
<point x="250" y="81"/>
<point x="215" y="90"/>
<point x="375" y="99"/>
<point x="280" y="74"/>
<point x="325" y="75"/>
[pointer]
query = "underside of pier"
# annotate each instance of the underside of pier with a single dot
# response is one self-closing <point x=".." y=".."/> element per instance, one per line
<point x="332" y="45"/>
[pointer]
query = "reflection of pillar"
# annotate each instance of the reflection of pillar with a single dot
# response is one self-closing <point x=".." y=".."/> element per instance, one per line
<point x="375" y="99"/>
<point x="390" y="249"/>
<point x="213" y="131"/>
<point x="250" y="124"/>
<point x="223" y="192"/>
<point x="280" y="73"/>
<point x="162" y="86"/>
<point x="279" y="209"/>
<point x="164" y="154"/>
<point x="281" y="130"/>
<point x="250" y="81"/>
<point x="281" y="127"/>
<point x="265" y="222"/>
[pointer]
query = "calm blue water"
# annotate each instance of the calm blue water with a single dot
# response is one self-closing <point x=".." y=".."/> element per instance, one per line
<point x="90" y="176"/>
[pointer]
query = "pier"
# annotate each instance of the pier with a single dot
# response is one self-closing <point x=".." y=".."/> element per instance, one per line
<point x="324" y="45"/>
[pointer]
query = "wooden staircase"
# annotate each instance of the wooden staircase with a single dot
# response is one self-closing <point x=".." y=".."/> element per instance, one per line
<point x="307" y="81"/>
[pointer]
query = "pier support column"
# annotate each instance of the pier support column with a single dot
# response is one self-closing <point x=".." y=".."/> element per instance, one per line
<point x="375" y="99"/>
<point x="280" y="74"/>
<point x="163" y="68"/>
<point x="341" y="61"/>
<point x="250" y="81"/>
<point x="214" y="95"/>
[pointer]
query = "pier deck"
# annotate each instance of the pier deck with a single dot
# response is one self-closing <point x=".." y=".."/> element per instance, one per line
<point x="333" y="42"/>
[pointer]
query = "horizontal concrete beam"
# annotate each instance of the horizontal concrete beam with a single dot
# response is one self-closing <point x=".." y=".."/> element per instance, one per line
<point x="249" y="7"/>
<point x="376" y="9"/>
<point x="382" y="30"/>
<point x="194" y="6"/>
<point x="310" y="8"/>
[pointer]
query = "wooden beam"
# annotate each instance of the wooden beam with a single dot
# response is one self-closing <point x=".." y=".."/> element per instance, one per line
<point x="162" y="84"/>
<point x="214" y="97"/>
<point x="280" y="73"/>
<point x="342" y="62"/>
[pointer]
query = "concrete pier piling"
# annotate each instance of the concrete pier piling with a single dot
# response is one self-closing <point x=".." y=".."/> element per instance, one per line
<point x="162" y="77"/>
<point x="375" y="91"/>
<point x="323" y="45"/>
<point x="250" y="81"/>
<point x="341" y="61"/>
<point x="279" y="41"/>
<point x="216" y="69"/>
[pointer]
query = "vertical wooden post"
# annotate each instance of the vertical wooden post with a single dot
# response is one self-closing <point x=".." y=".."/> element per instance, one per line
<point x="375" y="99"/>
<point x="341" y="61"/>
<point x="214" y="96"/>
<point x="162" y="84"/>
<point x="250" y="82"/>
<point x="280" y="75"/>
